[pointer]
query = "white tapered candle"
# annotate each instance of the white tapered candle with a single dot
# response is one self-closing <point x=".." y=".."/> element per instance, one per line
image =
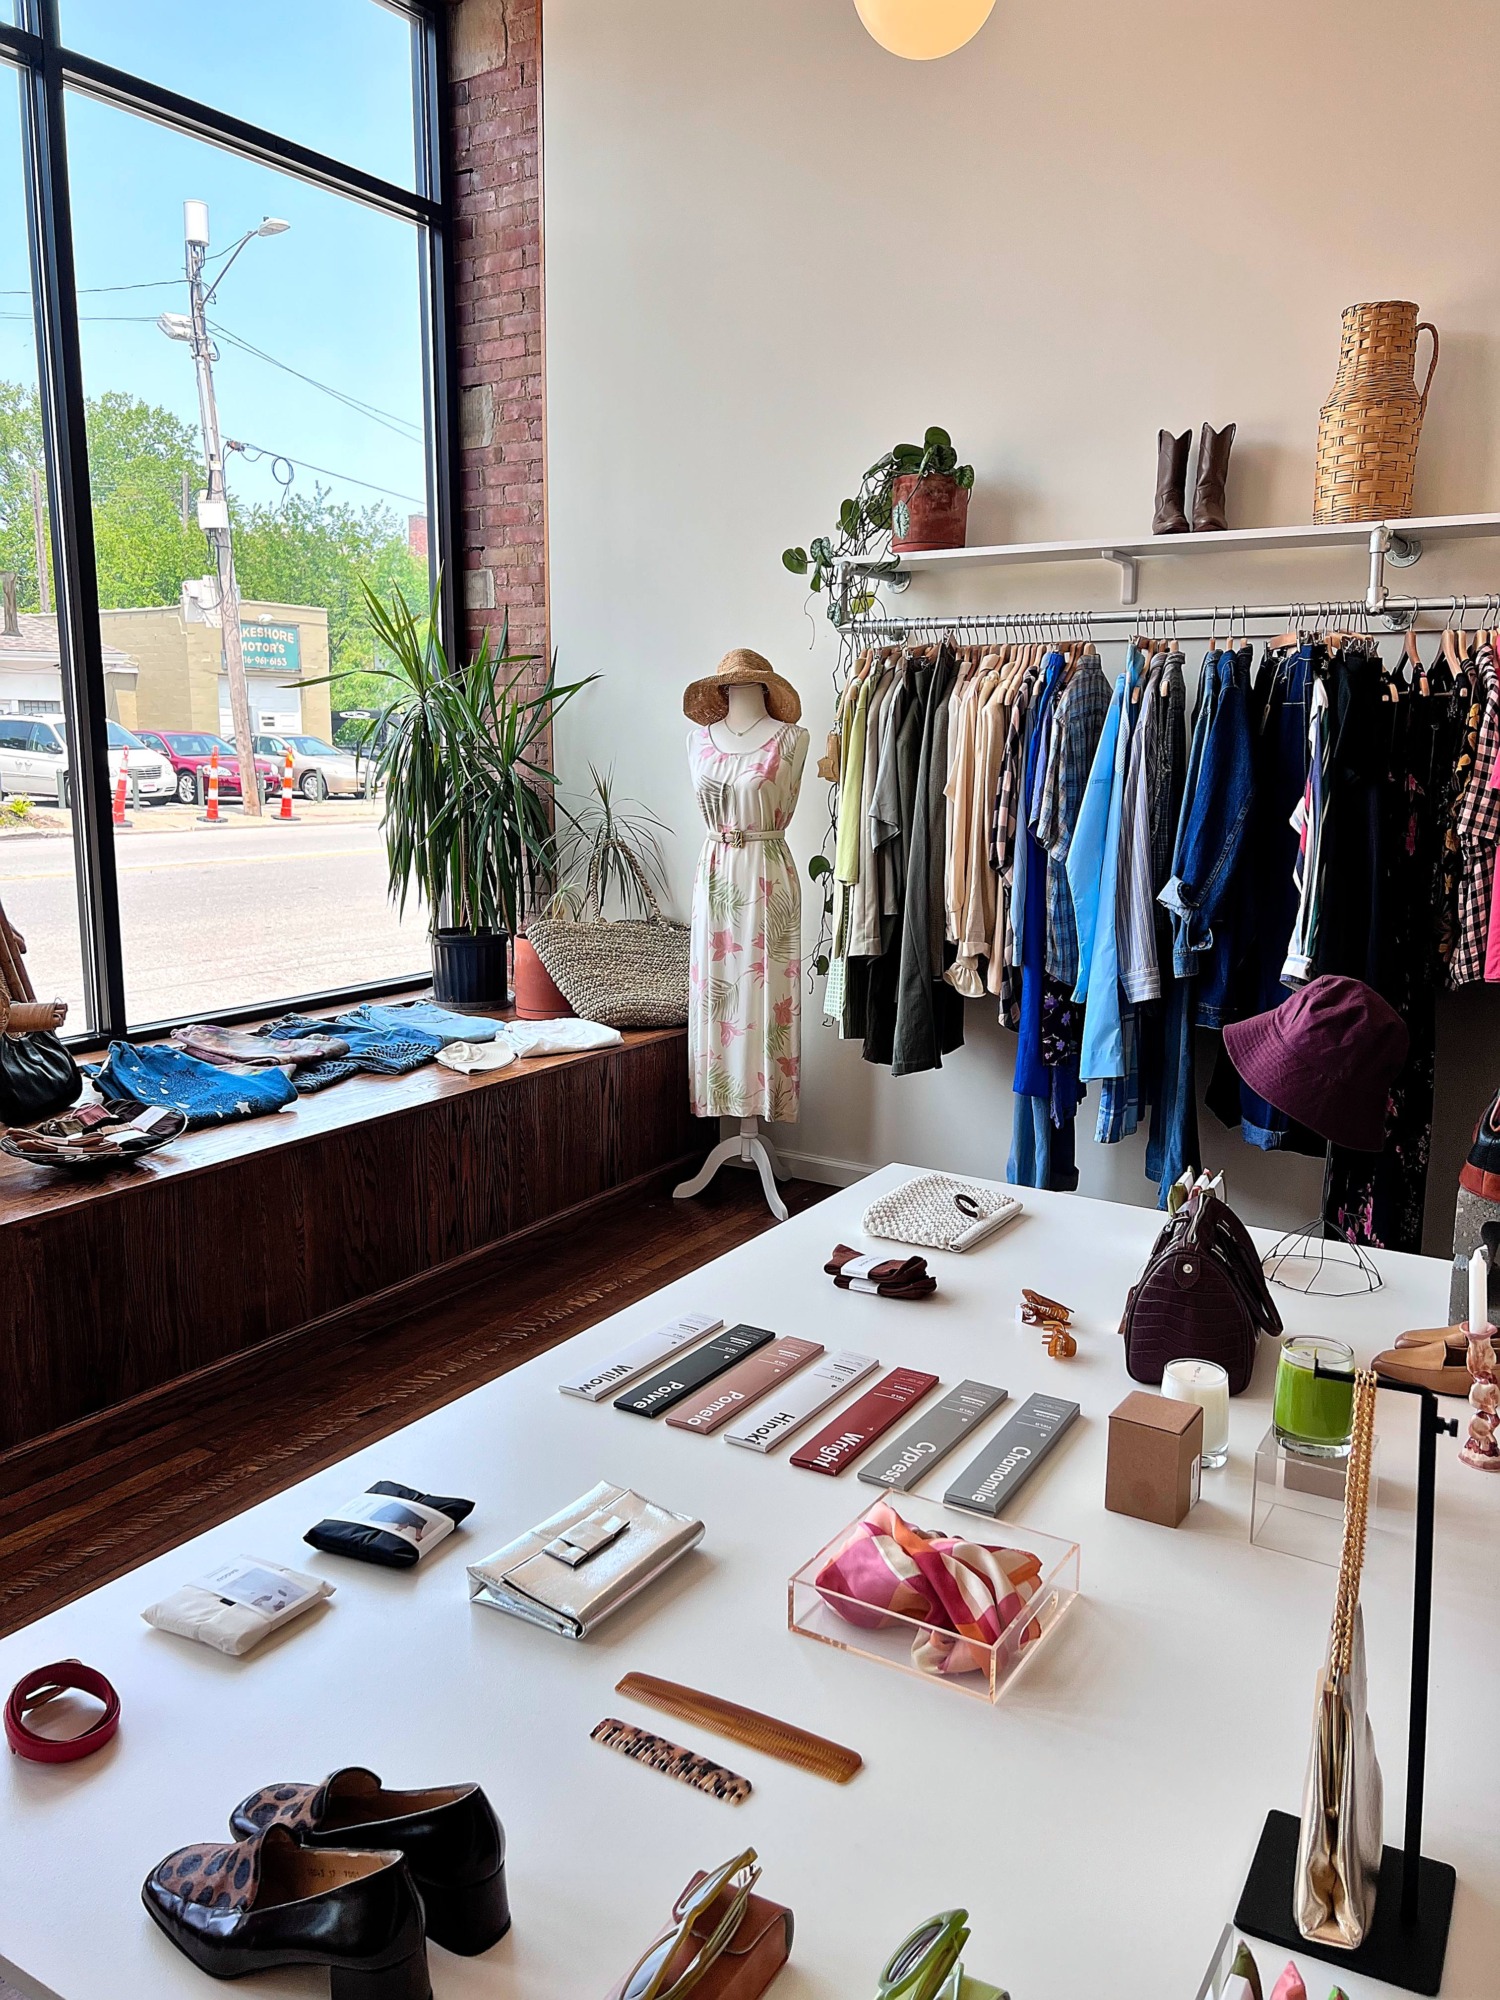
<point x="1479" y="1291"/>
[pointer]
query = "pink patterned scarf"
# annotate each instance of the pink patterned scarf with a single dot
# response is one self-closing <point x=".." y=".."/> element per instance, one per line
<point x="970" y="1592"/>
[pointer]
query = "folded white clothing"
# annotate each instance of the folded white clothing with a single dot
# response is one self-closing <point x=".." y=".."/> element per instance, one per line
<point x="565" y="1037"/>
<point x="468" y="1056"/>
<point x="238" y="1604"/>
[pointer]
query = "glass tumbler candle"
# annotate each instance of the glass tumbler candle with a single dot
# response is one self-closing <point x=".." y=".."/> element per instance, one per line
<point x="1314" y="1409"/>
<point x="1206" y="1384"/>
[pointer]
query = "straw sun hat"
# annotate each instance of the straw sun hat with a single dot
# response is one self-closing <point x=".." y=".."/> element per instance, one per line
<point x="707" y="700"/>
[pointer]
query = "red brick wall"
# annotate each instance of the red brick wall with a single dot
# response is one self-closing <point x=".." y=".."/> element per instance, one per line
<point x="496" y="71"/>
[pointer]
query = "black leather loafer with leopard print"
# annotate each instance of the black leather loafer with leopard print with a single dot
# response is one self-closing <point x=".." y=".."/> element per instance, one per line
<point x="450" y="1837"/>
<point x="268" y="1901"/>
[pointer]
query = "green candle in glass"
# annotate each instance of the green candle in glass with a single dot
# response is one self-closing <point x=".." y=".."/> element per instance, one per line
<point x="1314" y="1409"/>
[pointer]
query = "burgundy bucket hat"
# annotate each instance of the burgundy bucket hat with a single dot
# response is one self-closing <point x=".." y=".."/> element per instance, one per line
<point x="1327" y="1057"/>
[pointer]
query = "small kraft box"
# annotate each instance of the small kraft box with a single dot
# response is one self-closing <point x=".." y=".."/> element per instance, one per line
<point x="1152" y="1470"/>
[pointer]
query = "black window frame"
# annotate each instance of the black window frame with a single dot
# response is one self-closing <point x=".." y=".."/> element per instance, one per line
<point x="47" y="70"/>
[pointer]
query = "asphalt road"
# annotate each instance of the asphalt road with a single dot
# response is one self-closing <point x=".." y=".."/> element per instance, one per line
<point x="230" y="918"/>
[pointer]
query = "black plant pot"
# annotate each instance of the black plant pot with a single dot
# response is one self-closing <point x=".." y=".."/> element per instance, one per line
<point x="471" y="968"/>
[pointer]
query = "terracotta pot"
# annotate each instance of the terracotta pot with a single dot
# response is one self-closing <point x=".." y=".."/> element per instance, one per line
<point x="537" y="997"/>
<point x="929" y="511"/>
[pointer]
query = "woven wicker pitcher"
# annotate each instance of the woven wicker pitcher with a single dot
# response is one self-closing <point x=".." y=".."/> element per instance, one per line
<point x="1368" y="431"/>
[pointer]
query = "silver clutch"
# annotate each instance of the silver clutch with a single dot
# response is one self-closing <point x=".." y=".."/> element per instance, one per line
<point x="574" y="1570"/>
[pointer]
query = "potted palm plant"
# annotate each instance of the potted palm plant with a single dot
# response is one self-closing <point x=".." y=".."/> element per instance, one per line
<point x="467" y="792"/>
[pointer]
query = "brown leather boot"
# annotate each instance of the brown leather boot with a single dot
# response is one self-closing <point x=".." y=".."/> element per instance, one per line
<point x="1170" y="517"/>
<point x="1213" y="474"/>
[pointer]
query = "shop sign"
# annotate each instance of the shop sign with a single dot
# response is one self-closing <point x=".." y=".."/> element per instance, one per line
<point x="271" y="649"/>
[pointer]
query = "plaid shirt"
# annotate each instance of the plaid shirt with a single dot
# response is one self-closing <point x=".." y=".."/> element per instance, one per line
<point x="1077" y="721"/>
<point x="1476" y="829"/>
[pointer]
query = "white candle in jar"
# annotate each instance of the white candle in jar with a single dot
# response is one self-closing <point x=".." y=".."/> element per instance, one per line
<point x="1206" y="1384"/>
<point x="1479" y="1291"/>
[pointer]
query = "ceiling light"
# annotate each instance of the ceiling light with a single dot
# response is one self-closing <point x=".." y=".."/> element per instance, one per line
<point x="923" y="29"/>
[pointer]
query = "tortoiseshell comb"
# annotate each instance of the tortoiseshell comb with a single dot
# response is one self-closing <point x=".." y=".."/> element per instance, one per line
<point x="746" y="1725"/>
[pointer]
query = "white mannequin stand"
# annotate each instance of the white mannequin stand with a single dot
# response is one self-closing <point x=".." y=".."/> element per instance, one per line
<point x="749" y="725"/>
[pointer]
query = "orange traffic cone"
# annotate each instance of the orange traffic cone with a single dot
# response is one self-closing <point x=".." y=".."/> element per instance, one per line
<point x="210" y="815"/>
<point x="117" y="817"/>
<point x="286" y="788"/>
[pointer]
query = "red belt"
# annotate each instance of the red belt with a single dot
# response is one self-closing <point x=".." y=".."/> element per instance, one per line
<point x="39" y="1686"/>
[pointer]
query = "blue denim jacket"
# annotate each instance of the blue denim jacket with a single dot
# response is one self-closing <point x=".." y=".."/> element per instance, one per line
<point x="1211" y="832"/>
<point x="162" y="1074"/>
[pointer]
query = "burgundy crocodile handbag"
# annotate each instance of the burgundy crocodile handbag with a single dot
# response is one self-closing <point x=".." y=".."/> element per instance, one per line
<point x="1201" y="1297"/>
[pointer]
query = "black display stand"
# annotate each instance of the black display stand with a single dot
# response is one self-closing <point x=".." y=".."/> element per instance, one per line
<point x="1408" y="1939"/>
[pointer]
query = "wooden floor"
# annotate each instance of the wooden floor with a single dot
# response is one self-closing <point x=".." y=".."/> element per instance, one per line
<point x="113" y="1491"/>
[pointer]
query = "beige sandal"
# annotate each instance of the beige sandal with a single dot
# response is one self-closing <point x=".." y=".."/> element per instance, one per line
<point x="1424" y="1357"/>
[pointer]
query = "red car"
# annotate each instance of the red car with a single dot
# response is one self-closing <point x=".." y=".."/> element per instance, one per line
<point x="189" y="751"/>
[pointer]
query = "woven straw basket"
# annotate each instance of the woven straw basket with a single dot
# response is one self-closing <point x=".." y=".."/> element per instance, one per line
<point x="1370" y="425"/>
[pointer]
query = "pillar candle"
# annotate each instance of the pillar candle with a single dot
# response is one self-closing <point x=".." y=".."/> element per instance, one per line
<point x="1206" y="1384"/>
<point x="1479" y="1290"/>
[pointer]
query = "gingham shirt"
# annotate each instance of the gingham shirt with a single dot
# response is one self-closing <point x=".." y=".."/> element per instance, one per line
<point x="1477" y="830"/>
<point x="1077" y="720"/>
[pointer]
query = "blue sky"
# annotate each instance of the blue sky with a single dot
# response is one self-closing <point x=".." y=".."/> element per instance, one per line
<point x="336" y="297"/>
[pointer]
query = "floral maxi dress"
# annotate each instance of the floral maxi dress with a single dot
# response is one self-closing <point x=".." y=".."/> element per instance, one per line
<point x="744" y="1008"/>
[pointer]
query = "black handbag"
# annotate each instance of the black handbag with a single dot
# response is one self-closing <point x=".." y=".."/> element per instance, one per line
<point x="38" y="1078"/>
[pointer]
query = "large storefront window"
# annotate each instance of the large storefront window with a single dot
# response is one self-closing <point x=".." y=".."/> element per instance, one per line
<point x="229" y="436"/>
<point x="313" y="367"/>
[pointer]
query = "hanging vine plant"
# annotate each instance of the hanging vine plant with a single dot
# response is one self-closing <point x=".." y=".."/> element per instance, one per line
<point x="878" y="515"/>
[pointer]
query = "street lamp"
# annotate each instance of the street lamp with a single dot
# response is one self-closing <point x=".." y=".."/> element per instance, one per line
<point x="213" y="502"/>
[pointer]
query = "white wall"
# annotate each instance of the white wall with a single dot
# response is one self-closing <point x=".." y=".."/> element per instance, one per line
<point x="772" y="250"/>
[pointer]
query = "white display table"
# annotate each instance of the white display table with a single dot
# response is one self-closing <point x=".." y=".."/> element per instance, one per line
<point x="1098" y="1823"/>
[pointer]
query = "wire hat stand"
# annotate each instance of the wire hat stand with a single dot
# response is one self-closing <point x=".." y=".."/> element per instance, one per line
<point x="1321" y="1259"/>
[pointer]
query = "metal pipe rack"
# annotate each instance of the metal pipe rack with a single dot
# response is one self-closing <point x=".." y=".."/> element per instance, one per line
<point x="1417" y="614"/>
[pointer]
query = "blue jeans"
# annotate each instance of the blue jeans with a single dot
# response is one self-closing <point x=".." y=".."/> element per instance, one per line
<point x="1216" y="812"/>
<point x="1173" y="1141"/>
<point x="423" y="1018"/>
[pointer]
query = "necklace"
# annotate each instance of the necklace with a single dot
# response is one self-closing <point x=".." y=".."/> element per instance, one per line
<point x="730" y="730"/>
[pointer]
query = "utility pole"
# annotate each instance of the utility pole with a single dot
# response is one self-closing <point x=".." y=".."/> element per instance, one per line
<point x="38" y="523"/>
<point x="213" y="506"/>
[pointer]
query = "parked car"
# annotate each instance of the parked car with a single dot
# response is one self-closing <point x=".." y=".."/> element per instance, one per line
<point x="191" y="751"/>
<point x="317" y="768"/>
<point x="34" y="761"/>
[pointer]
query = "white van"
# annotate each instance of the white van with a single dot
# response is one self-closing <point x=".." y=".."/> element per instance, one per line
<point x="34" y="762"/>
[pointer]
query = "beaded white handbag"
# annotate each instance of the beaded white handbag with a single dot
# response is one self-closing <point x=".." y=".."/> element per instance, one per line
<point x="940" y="1213"/>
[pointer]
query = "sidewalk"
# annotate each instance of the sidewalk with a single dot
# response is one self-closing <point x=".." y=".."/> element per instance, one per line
<point x="48" y="822"/>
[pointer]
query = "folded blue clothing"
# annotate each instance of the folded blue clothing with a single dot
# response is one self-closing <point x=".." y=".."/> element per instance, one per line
<point x="425" y="1017"/>
<point x="162" y="1074"/>
<point x="370" y="1048"/>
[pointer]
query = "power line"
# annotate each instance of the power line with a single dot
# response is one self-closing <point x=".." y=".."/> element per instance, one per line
<point x="99" y="319"/>
<point x="403" y="425"/>
<point x="305" y="465"/>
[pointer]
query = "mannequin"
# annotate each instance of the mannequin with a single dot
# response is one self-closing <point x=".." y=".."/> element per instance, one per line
<point x="749" y="724"/>
<point x="744" y="1027"/>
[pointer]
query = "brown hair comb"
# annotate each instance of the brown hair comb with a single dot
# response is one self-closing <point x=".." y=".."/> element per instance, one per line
<point x="746" y="1725"/>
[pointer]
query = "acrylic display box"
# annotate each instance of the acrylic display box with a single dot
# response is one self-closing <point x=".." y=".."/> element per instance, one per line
<point x="1269" y="1961"/>
<point x="905" y="1642"/>
<point x="1297" y="1505"/>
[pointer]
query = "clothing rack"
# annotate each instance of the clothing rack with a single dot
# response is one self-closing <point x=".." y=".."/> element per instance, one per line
<point x="1167" y="621"/>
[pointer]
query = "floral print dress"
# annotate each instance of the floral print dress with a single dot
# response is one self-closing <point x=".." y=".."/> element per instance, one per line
<point x="744" y="1009"/>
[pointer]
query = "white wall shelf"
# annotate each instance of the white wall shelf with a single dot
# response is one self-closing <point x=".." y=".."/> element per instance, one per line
<point x="1397" y="542"/>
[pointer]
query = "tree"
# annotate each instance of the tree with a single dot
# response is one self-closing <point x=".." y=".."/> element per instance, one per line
<point x="319" y="551"/>
<point x="305" y="549"/>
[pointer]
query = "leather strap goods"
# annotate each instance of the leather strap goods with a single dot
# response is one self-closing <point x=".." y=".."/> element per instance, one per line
<point x="39" y="1686"/>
